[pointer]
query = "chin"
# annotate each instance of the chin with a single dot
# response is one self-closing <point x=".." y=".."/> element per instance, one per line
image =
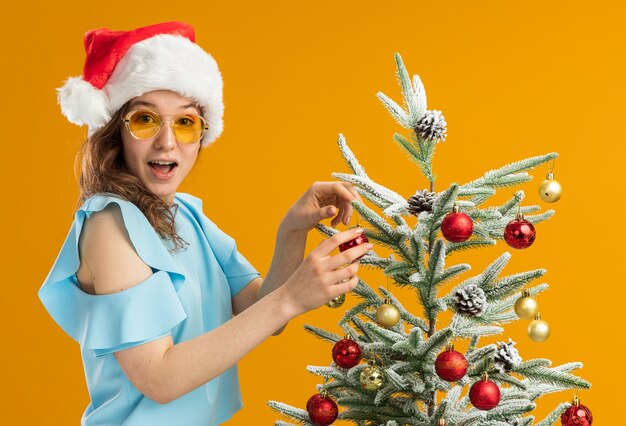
<point x="162" y="192"/>
<point x="162" y="189"/>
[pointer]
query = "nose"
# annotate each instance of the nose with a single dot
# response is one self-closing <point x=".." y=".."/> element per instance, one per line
<point x="165" y="138"/>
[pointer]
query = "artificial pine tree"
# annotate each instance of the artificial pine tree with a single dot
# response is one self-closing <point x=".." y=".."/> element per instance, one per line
<point x="416" y="353"/>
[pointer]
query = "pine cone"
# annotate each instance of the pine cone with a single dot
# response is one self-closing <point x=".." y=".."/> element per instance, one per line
<point x="432" y="126"/>
<point x="421" y="201"/>
<point x="470" y="300"/>
<point x="506" y="357"/>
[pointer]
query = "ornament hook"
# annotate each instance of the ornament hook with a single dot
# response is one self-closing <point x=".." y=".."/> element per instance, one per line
<point x="551" y="167"/>
<point x="519" y="215"/>
<point x="373" y="359"/>
<point x="323" y="392"/>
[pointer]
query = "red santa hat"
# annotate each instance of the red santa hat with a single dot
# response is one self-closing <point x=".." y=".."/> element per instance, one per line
<point x="120" y="65"/>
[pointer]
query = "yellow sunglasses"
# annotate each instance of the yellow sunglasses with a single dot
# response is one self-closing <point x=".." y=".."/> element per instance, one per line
<point x="143" y="124"/>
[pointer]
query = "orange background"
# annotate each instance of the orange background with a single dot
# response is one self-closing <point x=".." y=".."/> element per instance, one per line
<point x="513" y="79"/>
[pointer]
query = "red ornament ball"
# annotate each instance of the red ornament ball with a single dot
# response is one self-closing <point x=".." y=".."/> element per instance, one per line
<point x="361" y="239"/>
<point x="457" y="226"/>
<point x="322" y="410"/>
<point x="519" y="233"/>
<point x="577" y="415"/>
<point x="347" y="353"/>
<point x="451" y="365"/>
<point x="485" y="395"/>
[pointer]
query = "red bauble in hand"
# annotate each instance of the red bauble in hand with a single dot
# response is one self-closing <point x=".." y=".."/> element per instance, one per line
<point x="347" y="353"/>
<point x="451" y="365"/>
<point x="456" y="226"/>
<point x="485" y="394"/>
<point x="361" y="239"/>
<point x="577" y="415"/>
<point x="519" y="233"/>
<point x="322" y="410"/>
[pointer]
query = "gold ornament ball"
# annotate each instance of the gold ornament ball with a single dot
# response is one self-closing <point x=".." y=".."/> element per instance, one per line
<point x="372" y="377"/>
<point x="387" y="314"/>
<point x="337" y="301"/>
<point x="550" y="189"/>
<point x="526" y="307"/>
<point x="538" y="330"/>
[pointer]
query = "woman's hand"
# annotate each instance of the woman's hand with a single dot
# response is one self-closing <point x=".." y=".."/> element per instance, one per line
<point x="322" y="277"/>
<point x="321" y="201"/>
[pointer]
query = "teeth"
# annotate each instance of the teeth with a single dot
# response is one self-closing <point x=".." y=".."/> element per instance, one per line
<point x="163" y="162"/>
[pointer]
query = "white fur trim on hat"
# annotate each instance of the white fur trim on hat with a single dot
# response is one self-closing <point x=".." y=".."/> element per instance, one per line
<point x="161" y="62"/>
<point x="82" y="103"/>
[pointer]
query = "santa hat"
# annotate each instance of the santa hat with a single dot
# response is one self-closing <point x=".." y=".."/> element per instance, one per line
<point x="120" y="65"/>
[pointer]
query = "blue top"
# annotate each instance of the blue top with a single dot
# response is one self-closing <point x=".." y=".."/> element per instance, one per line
<point x="188" y="294"/>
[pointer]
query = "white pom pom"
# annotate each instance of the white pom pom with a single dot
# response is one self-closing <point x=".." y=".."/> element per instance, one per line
<point x="81" y="103"/>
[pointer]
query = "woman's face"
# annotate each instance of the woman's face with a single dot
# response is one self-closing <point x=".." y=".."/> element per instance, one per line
<point x="141" y="155"/>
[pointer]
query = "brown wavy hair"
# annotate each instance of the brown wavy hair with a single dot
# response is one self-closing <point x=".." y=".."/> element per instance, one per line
<point x="100" y="168"/>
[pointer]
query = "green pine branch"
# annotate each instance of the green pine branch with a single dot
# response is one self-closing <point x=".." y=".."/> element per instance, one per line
<point x="322" y="334"/>
<point x="420" y="152"/>
<point x="409" y="397"/>
<point x="554" y="377"/>
<point x="297" y="414"/>
<point x="554" y="415"/>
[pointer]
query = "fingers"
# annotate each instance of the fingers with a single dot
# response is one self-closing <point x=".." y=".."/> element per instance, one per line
<point x="328" y="211"/>
<point x="345" y="211"/>
<point x="340" y="189"/>
<point x="330" y="244"/>
<point x="344" y="274"/>
<point x="343" y="196"/>
<point x="344" y="287"/>
<point x="348" y="193"/>
<point x="349" y="256"/>
<point x="352" y="190"/>
<point x="339" y="194"/>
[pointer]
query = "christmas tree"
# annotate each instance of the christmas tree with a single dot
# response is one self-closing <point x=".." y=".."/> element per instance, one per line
<point x="413" y="375"/>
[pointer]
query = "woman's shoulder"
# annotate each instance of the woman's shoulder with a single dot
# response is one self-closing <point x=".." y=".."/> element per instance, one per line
<point x="221" y="243"/>
<point x="75" y="310"/>
<point x="103" y="242"/>
<point x="98" y="202"/>
<point x="195" y="207"/>
<point x="190" y="201"/>
<point x="114" y="208"/>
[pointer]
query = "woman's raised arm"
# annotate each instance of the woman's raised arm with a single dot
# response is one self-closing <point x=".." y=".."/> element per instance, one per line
<point x="163" y="371"/>
<point x="321" y="201"/>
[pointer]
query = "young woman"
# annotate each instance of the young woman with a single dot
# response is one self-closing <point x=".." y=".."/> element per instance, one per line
<point x="159" y="298"/>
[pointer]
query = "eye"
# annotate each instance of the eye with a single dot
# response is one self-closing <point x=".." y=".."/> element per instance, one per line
<point x="187" y="120"/>
<point x="145" y="118"/>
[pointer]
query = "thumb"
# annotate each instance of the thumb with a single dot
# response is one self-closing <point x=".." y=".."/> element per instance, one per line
<point x="328" y="211"/>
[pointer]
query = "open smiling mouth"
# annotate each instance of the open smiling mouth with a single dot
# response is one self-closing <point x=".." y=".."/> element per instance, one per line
<point x="163" y="169"/>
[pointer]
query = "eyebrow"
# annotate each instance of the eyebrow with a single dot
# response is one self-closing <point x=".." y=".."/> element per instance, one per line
<point x="144" y="103"/>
